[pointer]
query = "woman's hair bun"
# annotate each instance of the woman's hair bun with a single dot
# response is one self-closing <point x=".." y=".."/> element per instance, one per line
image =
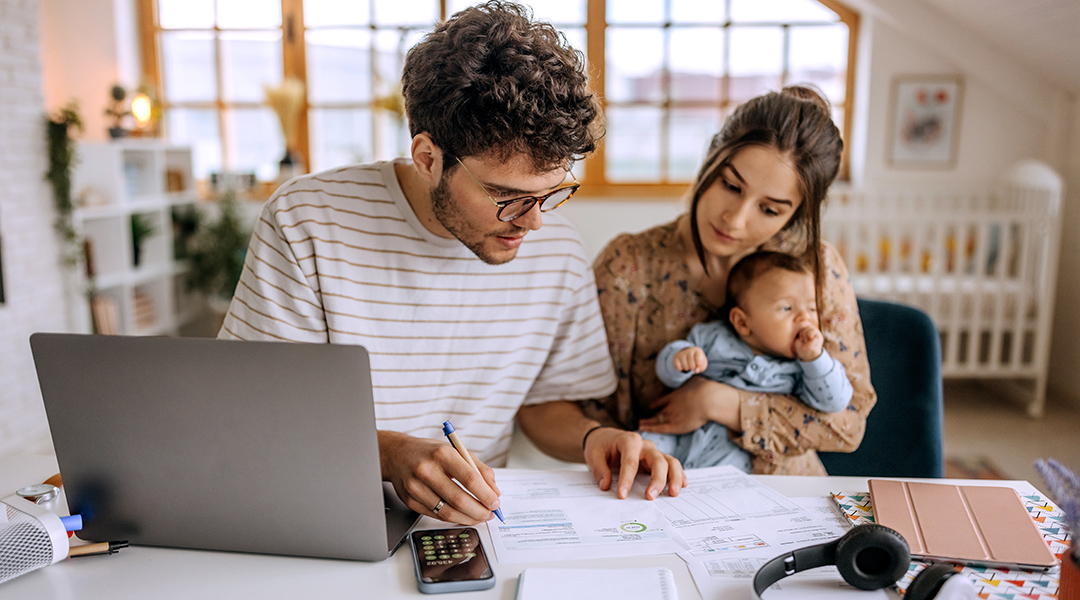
<point x="809" y="92"/>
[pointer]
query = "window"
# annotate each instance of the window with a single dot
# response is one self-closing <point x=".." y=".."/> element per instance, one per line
<point x="668" y="71"/>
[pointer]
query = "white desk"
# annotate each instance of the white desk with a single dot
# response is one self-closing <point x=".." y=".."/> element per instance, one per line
<point x="144" y="572"/>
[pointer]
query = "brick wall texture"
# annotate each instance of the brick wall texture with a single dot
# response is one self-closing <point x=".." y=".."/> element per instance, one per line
<point x="34" y="280"/>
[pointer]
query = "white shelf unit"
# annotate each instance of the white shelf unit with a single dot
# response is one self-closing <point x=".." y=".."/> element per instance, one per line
<point x="112" y="183"/>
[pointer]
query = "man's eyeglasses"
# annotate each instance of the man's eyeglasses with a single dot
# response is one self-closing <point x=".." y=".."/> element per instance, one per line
<point x="512" y="209"/>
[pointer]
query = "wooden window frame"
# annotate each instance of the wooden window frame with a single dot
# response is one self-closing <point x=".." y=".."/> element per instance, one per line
<point x="595" y="183"/>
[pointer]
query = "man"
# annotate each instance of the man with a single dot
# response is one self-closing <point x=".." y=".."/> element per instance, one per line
<point x="409" y="258"/>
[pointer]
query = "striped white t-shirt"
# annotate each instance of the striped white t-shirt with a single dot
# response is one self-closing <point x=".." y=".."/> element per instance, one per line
<point x="340" y="257"/>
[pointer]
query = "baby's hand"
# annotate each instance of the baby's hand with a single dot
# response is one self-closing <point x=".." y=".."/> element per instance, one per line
<point x="690" y="360"/>
<point x="808" y="344"/>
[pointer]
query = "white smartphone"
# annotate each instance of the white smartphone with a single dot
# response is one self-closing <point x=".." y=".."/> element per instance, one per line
<point x="450" y="560"/>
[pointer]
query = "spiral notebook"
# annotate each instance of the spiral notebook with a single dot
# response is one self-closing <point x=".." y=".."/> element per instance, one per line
<point x="656" y="583"/>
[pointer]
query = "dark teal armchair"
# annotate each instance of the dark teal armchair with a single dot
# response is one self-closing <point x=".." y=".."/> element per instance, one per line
<point x="905" y="430"/>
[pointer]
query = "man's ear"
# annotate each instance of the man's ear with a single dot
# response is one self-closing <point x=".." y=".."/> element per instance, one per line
<point x="738" y="319"/>
<point x="427" y="158"/>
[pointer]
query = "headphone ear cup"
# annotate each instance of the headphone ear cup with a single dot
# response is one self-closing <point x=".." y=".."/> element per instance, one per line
<point x="929" y="581"/>
<point x="872" y="557"/>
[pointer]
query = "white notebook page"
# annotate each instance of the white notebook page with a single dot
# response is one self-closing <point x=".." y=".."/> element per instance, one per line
<point x="588" y="584"/>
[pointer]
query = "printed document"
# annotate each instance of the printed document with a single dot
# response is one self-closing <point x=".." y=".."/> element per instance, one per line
<point x="563" y="515"/>
<point x="719" y="570"/>
<point x="725" y="511"/>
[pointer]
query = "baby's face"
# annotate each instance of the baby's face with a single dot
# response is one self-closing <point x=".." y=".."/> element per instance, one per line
<point x="778" y="305"/>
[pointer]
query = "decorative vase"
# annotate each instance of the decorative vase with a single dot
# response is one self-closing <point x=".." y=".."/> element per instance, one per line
<point x="288" y="167"/>
<point x="1069" y="584"/>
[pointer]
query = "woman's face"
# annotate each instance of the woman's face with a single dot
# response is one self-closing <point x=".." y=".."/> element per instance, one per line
<point x="754" y="197"/>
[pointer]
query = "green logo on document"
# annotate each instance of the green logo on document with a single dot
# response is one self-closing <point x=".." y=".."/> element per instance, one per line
<point x="632" y="527"/>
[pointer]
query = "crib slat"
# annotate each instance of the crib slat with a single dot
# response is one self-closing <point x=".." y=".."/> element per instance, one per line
<point x="994" y="264"/>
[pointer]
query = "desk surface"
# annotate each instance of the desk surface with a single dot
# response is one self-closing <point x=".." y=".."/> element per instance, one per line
<point x="144" y="572"/>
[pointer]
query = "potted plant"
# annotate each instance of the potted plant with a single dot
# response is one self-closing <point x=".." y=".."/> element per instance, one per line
<point x="216" y="251"/>
<point x="62" y="159"/>
<point x="117" y="111"/>
<point x="142" y="229"/>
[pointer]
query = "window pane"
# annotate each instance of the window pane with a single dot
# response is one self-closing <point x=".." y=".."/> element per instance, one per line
<point x="697" y="63"/>
<point x="756" y="61"/>
<point x="391" y="135"/>
<point x="697" y="11"/>
<point x="340" y="137"/>
<point x="249" y="14"/>
<point x="819" y="56"/>
<point x="558" y="12"/>
<point x="256" y="143"/>
<point x="575" y="36"/>
<point x="406" y="12"/>
<point x="780" y="11"/>
<point x="634" y="64"/>
<point x="632" y="145"/>
<point x="188" y="64"/>
<point x="249" y="60"/>
<point x="186" y="14"/>
<point x="390" y="48"/>
<point x="198" y="129"/>
<point x="335" y="13"/>
<point x="688" y="140"/>
<point x="339" y="65"/>
<point x="635" y="11"/>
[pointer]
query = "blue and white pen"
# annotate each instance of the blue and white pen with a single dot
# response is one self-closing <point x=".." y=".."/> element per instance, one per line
<point x="455" y="441"/>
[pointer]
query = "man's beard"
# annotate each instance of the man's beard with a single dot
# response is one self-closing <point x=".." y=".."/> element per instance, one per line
<point x="450" y="216"/>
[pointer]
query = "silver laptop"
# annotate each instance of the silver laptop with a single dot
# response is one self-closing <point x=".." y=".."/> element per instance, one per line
<point x="220" y="445"/>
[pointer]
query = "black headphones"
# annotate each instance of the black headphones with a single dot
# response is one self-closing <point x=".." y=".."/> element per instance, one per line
<point x="869" y="557"/>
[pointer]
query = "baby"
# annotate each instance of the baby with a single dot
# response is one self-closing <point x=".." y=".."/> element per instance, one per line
<point x="770" y="344"/>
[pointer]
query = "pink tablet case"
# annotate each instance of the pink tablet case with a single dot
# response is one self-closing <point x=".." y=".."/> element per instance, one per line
<point x="973" y="524"/>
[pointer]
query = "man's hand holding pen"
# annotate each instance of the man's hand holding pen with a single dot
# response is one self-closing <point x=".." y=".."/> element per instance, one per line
<point x="422" y="472"/>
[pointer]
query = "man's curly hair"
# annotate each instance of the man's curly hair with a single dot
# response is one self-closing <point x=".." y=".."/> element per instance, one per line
<point x="489" y="80"/>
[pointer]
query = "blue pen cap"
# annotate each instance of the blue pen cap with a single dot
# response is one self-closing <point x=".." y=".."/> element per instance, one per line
<point x="447" y="428"/>
<point x="72" y="523"/>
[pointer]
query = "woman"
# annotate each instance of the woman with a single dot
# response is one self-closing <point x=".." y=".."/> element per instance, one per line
<point x="761" y="188"/>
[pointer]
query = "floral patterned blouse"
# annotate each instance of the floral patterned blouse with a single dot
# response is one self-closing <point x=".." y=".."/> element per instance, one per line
<point x="646" y="299"/>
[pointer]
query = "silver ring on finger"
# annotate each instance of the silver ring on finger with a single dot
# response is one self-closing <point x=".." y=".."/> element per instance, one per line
<point x="439" y="506"/>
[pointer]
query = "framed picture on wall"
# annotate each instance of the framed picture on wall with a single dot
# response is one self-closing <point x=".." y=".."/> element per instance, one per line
<point x="925" y="120"/>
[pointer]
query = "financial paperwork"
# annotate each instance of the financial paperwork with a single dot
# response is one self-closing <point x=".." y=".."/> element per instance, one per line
<point x="563" y="515"/>
<point x="725" y="511"/>
<point x="715" y="568"/>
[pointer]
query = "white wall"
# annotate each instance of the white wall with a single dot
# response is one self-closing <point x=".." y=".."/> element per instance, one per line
<point x="86" y="47"/>
<point x="1065" y="349"/>
<point x="601" y="220"/>
<point x="32" y="274"/>
<point x="993" y="134"/>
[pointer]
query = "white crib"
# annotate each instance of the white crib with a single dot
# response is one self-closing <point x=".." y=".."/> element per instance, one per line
<point x="982" y="264"/>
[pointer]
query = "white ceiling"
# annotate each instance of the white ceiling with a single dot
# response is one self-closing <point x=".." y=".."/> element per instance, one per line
<point x="1043" y="34"/>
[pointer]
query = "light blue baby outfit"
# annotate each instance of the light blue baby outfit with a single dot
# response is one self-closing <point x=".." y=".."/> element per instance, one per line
<point x="821" y="384"/>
